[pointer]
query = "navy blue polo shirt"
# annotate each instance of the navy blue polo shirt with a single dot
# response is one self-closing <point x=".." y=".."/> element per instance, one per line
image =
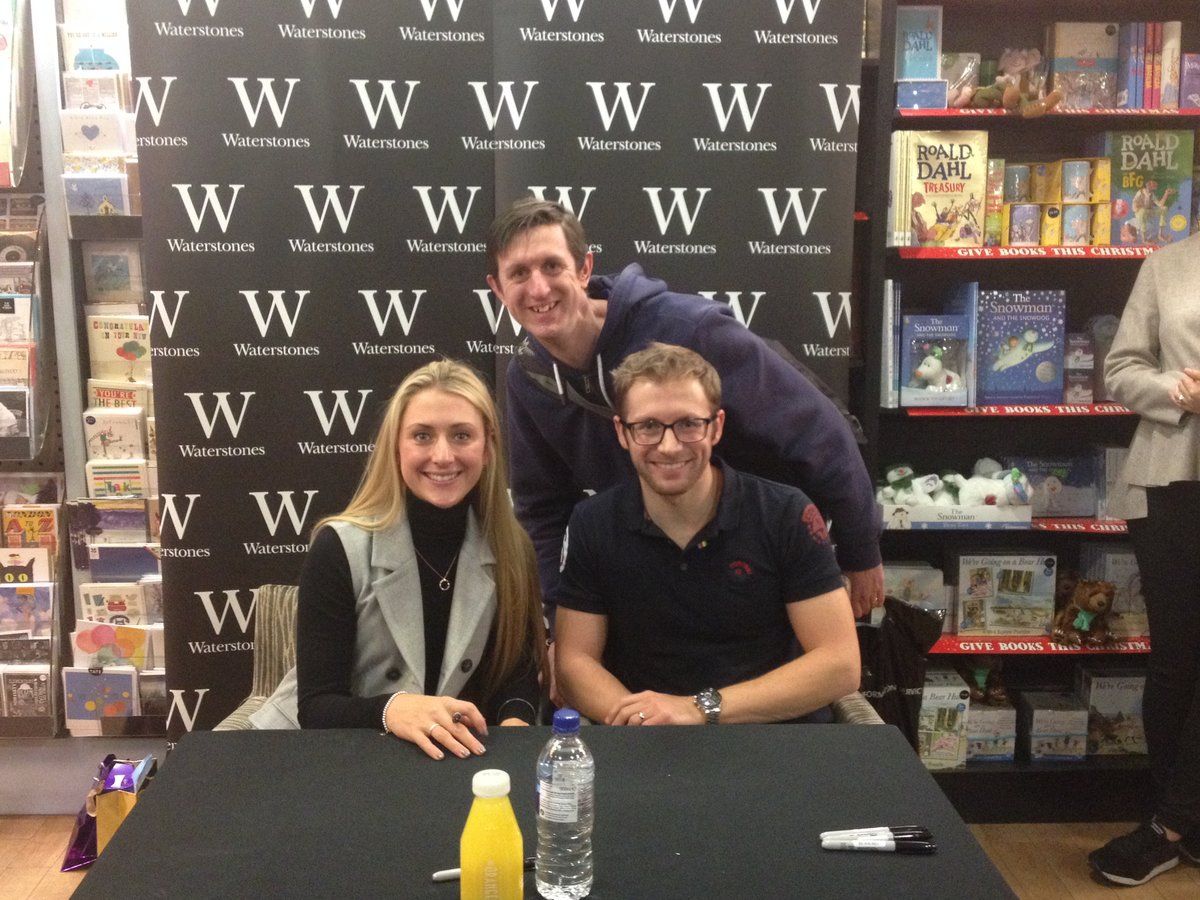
<point x="712" y="614"/>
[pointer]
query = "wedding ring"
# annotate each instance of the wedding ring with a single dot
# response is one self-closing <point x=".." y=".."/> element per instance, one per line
<point x="1180" y="397"/>
<point x="456" y="718"/>
<point x="432" y="725"/>
<point x="642" y="716"/>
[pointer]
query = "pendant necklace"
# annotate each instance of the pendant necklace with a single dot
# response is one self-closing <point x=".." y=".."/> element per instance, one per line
<point x="443" y="578"/>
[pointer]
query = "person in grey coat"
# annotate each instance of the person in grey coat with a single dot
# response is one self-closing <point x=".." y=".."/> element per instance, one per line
<point x="1154" y="369"/>
<point x="419" y="611"/>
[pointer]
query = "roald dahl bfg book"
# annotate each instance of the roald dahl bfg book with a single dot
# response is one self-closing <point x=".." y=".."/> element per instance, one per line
<point x="1151" y="185"/>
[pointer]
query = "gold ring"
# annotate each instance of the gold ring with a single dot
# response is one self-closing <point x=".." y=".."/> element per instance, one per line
<point x="432" y="725"/>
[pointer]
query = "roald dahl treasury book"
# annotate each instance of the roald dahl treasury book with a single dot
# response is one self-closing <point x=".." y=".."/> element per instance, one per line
<point x="944" y="177"/>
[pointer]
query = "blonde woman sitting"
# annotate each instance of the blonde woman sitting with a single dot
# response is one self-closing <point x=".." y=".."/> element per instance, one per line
<point x="419" y="609"/>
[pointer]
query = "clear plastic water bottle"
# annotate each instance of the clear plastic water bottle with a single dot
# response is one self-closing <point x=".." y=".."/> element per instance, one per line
<point x="566" y="776"/>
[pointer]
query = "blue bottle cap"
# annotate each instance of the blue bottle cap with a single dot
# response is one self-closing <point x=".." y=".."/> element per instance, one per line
<point x="566" y="721"/>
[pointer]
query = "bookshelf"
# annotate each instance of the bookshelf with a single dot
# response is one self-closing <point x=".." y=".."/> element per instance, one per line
<point x="1097" y="280"/>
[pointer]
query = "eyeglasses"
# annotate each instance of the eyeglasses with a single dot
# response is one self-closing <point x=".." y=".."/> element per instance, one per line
<point x="650" y="432"/>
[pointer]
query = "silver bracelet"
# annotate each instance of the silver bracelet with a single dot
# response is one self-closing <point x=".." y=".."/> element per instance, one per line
<point x="391" y="699"/>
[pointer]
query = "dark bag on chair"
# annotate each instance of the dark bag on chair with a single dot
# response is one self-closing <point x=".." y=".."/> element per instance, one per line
<point x="893" y="662"/>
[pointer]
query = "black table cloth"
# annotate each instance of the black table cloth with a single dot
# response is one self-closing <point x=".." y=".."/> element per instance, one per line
<point x="688" y="812"/>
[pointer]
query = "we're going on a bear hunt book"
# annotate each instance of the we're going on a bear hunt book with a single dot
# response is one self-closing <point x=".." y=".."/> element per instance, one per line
<point x="938" y="182"/>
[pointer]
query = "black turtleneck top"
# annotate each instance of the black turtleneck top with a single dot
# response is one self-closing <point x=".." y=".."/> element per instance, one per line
<point x="326" y="623"/>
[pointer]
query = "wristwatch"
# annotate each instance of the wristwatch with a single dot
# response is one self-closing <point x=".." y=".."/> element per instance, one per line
<point x="708" y="701"/>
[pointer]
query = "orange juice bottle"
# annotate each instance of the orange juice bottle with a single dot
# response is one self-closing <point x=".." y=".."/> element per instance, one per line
<point x="491" y="852"/>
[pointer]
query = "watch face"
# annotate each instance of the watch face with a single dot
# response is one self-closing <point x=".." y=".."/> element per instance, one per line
<point x="708" y="699"/>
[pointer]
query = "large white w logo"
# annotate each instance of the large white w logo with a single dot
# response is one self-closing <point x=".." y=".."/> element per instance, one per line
<point x="231" y="602"/>
<point x="277" y="305"/>
<point x="734" y="300"/>
<point x="222" y="408"/>
<point x="564" y="197"/>
<point x="724" y="111"/>
<point x="326" y="417"/>
<point x="693" y="7"/>
<point x="495" y="311"/>
<point x="839" y="115"/>
<point x="335" y="7"/>
<point x="551" y="5"/>
<point x="832" y="319"/>
<point x="608" y="111"/>
<point x="455" y="7"/>
<point x="266" y="90"/>
<point x="678" y="204"/>
<point x="170" y="514"/>
<point x="158" y="312"/>
<point x="178" y="706"/>
<point x="491" y="114"/>
<point x="386" y="95"/>
<point x="210" y="199"/>
<point x="272" y="520"/>
<point x="394" y="306"/>
<point x="332" y="198"/>
<point x="449" y="199"/>
<point x="185" y="6"/>
<point x="146" y="95"/>
<point x="810" y="9"/>
<point x="793" y="206"/>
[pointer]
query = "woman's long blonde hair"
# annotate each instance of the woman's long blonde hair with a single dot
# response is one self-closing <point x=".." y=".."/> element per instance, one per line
<point x="379" y="501"/>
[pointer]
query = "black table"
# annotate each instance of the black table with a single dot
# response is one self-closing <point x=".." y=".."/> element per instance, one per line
<point x="725" y="812"/>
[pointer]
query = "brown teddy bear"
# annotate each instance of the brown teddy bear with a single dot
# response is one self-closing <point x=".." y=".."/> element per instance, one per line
<point x="1084" y="620"/>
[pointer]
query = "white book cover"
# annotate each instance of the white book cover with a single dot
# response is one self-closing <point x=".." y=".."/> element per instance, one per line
<point x="16" y="323"/>
<point x="93" y="131"/>
<point x="889" y="394"/>
<point x="119" y="347"/>
<point x="152" y="440"/>
<point x="95" y="90"/>
<point x="1172" y="37"/>
<point x="100" y="644"/>
<point x="116" y="478"/>
<point x="108" y="13"/>
<point x="114" y="602"/>
<point x="102" y="392"/>
<point x="23" y="565"/>
<point x="95" y="46"/>
<point x="114" y="433"/>
<point x="16" y="277"/>
<point x="17" y="363"/>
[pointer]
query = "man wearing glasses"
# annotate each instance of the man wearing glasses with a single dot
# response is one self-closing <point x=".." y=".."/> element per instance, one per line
<point x="581" y="326"/>
<point x="683" y="593"/>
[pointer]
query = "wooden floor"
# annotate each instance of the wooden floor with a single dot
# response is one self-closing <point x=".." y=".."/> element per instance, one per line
<point x="1040" y="862"/>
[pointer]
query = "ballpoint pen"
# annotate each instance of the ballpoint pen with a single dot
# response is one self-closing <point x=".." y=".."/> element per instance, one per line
<point x="455" y="874"/>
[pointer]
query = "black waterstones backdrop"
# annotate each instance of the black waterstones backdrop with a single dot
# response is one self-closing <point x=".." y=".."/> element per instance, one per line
<point x="318" y="177"/>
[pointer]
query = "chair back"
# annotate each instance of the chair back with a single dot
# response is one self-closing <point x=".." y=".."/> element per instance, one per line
<point x="274" y="637"/>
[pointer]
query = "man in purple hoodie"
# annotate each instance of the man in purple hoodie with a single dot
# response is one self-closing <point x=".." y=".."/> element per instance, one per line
<point x="580" y="327"/>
